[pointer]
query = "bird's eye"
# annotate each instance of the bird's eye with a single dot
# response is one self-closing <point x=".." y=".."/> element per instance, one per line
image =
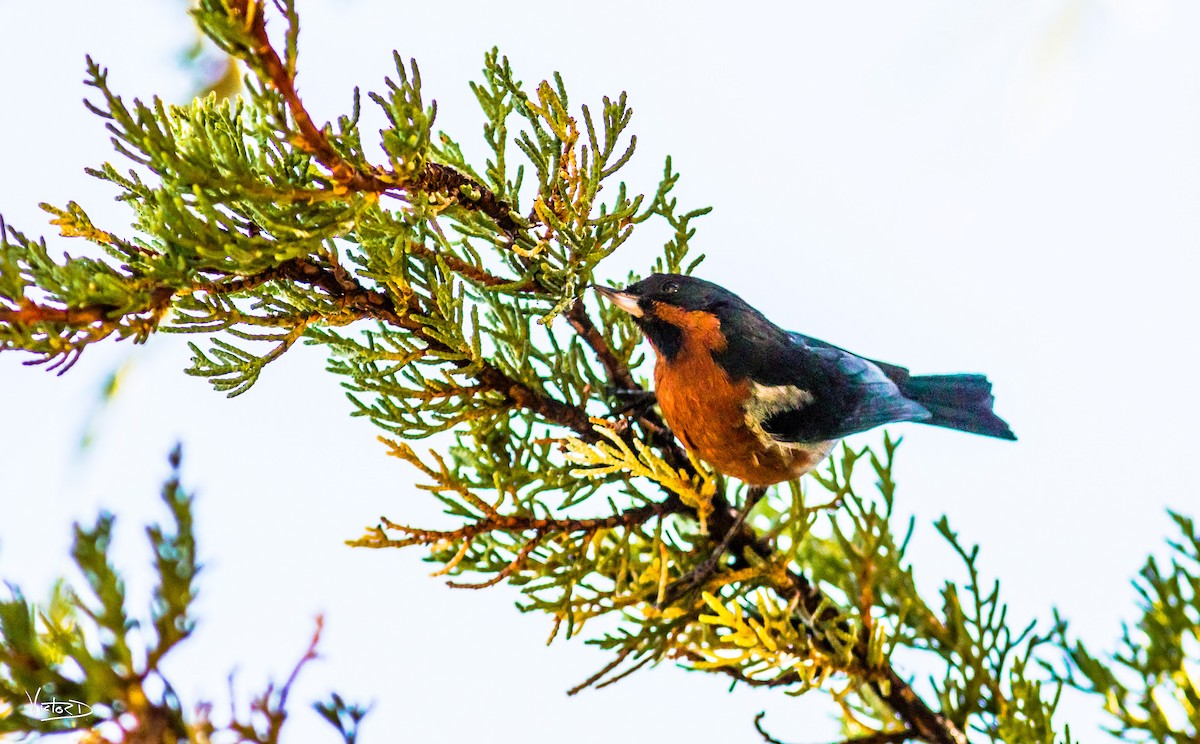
<point x="670" y="288"/>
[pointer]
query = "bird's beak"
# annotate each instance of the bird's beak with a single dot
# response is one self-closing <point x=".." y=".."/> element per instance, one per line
<point x="623" y="300"/>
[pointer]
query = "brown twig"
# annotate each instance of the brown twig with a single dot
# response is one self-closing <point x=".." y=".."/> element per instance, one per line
<point x="474" y="273"/>
<point x="29" y="313"/>
<point x="32" y="314"/>
<point x="620" y="377"/>
<point x="446" y="180"/>
<point x="763" y="732"/>
<point x="618" y="374"/>
<point x="519" y="523"/>
<point x="274" y="710"/>
<point x="313" y="140"/>
<point x="80" y="326"/>
<point x="379" y="306"/>
<point x="621" y="656"/>
<point x="926" y="724"/>
<point x="618" y="677"/>
<point x="516" y="564"/>
<point x="280" y="710"/>
<point x="784" y="680"/>
<point x="624" y="654"/>
<point x="882" y="737"/>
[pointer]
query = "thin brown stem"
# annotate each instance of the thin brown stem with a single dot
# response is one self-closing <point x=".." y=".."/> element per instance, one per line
<point x="29" y="313"/>
<point x="474" y="273"/>
<point x="784" y="680"/>
<point x="277" y="714"/>
<point x="624" y="654"/>
<point x="618" y="677"/>
<point x="516" y="564"/>
<point x="379" y="306"/>
<point x="618" y="373"/>
<point x="519" y="524"/>
<point x="313" y="140"/>
<point x="881" y="737"/>
<point x="927" y="724"/>
<point x="32" y="314"/>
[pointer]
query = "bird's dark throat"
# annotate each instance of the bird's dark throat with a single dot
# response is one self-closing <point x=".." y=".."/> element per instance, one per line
<point x="666" y="338"/>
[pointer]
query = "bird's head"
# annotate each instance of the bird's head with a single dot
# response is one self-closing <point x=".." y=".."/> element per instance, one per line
<point x="674" y="310"/>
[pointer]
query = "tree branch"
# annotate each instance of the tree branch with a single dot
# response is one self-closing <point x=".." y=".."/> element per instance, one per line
<point x="784" y="680"/>
<point x="927" y="724"/>
<point x="30" y="314"/>
<point x="618" y="374"/>
<point x="444" y="179"/>
<point x="472" y="272"/>
<point x="882" y="737"/>
<point x="379" y="306"/>
<point x="518" y="524"/>
<point x="33" y="314"/>
<point x="313" y="140"/>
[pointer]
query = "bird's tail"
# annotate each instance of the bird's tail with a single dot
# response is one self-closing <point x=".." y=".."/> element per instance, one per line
<point x="962" y="402"/>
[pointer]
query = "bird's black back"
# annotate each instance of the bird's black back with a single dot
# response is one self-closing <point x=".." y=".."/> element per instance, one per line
<point x="849" y="393"/>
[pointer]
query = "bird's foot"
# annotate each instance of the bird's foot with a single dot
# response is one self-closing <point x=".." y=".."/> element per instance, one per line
<point x="637" y="402"/>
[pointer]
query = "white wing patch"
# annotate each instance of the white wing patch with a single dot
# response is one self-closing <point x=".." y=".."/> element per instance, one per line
<point x="765" y="401"/>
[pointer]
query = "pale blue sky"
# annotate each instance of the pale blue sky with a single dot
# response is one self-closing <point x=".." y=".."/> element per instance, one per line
<point x="1006" y="187"/>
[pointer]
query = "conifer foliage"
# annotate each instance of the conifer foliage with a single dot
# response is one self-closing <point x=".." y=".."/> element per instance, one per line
<point x="82" y="661"/>
<point x="450" y="298"/>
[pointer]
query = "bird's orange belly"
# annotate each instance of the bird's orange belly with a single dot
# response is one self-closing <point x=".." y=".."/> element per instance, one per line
<point x="706" y="411"/>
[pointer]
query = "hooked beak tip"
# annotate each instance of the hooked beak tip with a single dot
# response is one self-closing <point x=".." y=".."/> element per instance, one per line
<point x="623" y="300"/>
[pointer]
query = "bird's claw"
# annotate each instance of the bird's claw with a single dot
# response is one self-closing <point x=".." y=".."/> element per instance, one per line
<point x="637" y="402"/>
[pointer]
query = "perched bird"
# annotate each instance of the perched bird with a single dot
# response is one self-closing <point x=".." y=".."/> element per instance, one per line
<point x="766" y="405"/>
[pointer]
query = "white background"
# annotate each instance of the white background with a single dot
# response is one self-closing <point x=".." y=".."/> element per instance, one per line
<point x="1007" y="187"/>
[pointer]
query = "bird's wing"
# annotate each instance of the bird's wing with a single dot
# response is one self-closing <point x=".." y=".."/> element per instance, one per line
<point x="894" y="372"/>
<point x="842" y="394"/>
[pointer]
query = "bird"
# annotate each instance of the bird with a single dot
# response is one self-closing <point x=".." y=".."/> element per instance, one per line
<point x="765" y="405"/>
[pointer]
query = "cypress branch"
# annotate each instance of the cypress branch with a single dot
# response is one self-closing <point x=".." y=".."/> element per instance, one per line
<point x="255" y="228"/>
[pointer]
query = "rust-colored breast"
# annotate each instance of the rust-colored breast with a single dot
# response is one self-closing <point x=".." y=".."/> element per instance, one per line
<point x="705" y="408"/>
